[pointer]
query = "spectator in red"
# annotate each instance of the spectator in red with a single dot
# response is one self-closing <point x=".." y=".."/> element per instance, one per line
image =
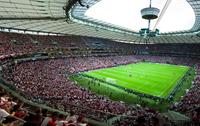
<point x="53" y="120"/>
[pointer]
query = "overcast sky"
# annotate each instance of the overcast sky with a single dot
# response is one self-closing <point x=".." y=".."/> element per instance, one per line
<point x="126" y="13"/>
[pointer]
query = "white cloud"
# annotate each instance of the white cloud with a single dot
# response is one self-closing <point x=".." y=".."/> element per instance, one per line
<point x="126" y="13"/>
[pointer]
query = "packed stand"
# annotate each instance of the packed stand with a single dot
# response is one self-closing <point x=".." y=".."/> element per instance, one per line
<point x="190" y="103"/>
<point x="13" y="112"/>
<point x="14" y="44"/>
<point x="43" y="80"/>
<point x="47" y="81"/>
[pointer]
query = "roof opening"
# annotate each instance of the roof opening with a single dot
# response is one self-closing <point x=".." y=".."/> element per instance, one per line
<point x="126" y="13"/>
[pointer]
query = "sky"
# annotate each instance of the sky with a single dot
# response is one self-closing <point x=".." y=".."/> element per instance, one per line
<point x="126" y="13"/>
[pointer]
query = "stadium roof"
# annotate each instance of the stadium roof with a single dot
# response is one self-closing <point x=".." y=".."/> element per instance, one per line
<point x="175" y="18"/>
<point x="49" y="16"/>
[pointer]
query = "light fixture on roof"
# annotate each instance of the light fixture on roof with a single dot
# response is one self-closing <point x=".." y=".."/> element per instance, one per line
<point x="149" y="13"/>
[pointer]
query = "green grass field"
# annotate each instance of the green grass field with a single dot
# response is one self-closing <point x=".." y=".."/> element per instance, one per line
<point x="147" y="78"/>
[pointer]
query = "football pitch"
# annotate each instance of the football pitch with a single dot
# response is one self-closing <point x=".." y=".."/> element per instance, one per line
<point x="147" y="78"/>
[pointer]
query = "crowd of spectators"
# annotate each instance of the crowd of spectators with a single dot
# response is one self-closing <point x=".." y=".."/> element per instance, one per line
<point x="43" y="80"/>
<point x="47" y="81"/>
<point x="14" y="44"/>
<point x="190" y="103"/>
<point x="14" y="112"/>
<point x="11" y="111"/>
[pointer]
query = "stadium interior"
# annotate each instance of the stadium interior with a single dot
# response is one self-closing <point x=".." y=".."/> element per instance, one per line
<point x="60" y="67"/>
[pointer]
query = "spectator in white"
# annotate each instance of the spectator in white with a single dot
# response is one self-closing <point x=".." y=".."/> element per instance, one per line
<point x="61" y="120"/>
<point x="3" y="114"/>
